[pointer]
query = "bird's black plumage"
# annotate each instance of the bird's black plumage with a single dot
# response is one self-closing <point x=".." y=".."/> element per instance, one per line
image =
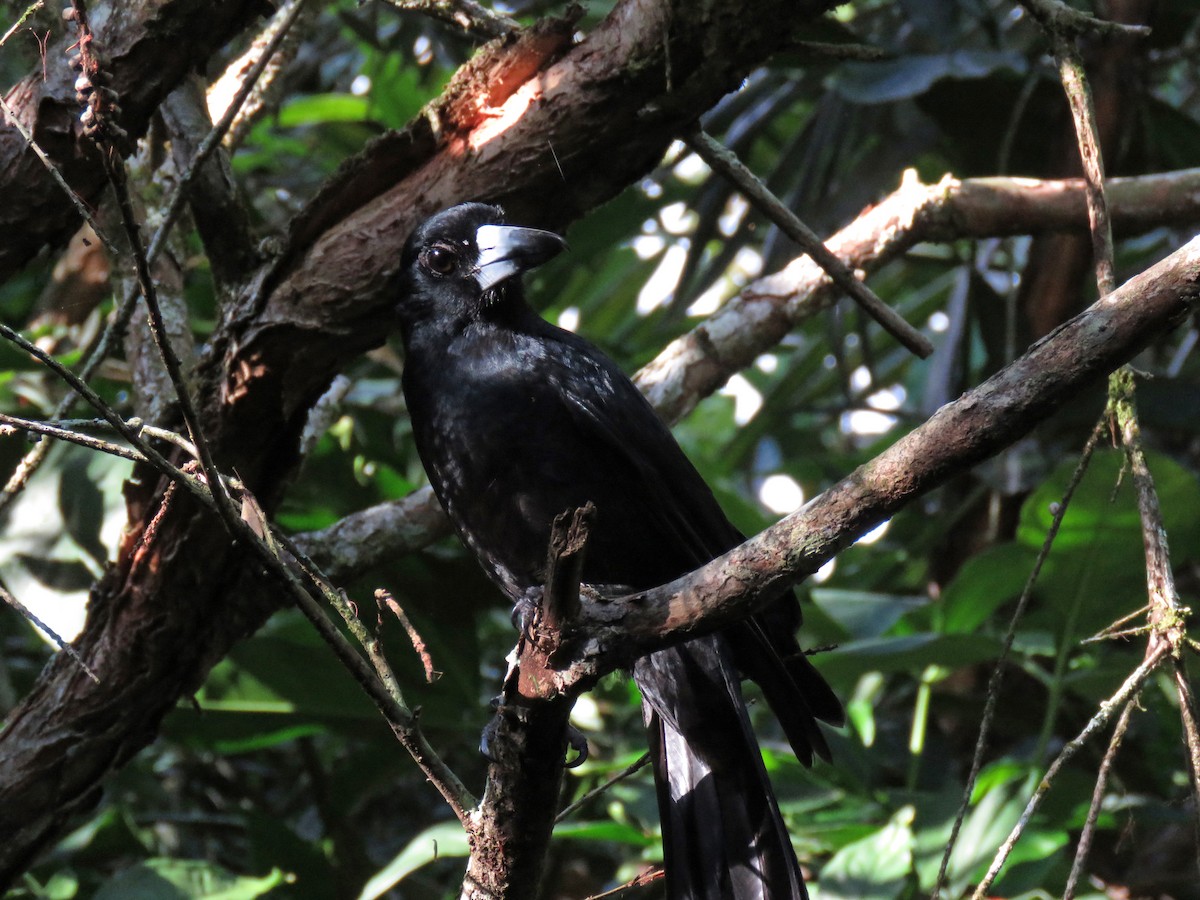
<point x="516" y="421"/>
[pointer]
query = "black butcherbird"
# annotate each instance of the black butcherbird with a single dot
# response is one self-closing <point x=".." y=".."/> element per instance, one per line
<point x="516" y="421"/>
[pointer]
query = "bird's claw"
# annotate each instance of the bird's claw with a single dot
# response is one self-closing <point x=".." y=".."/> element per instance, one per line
<point x="524" y="611"/>
<point x="577" y="742"/>
<point x="488" y="736"/>
<point x="575" y="739"/>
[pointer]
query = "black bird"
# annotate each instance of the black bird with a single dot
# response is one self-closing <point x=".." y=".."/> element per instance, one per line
<point x="515" y="421"/>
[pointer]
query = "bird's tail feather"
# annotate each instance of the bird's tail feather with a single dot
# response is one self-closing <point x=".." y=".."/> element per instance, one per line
<point x="723" y="835"/>
<point x="793" y="688"/>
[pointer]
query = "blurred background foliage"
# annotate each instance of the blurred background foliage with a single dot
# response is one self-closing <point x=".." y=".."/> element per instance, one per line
<point x="280" y="779"/>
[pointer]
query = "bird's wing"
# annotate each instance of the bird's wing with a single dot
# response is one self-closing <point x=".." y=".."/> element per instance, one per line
<point x="689" y="529"/>
<point x="616" y="420"/>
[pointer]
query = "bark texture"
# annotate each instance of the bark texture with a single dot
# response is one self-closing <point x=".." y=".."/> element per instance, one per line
<point x="150" y="48"/>
<point x="179" y="594"/>
<point x="610" y="633"/>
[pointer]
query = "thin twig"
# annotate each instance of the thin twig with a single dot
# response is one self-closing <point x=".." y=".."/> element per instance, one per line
<point x="76" y="200"/>
<point x="468" y="15"/>
<point x="65" y="646"/>
<point x="1060" y="18"/>
<point x="115" y="328"/>
<point x="29" y="11"/>
<point x="1118" y="635"/>
<point x="1166" y="610"/>
<point x="1130" y="687"/>
<point x="171" y="437"/>
<point x="1115" y="630"/>
<point x="12" y="424"/>
<point x="1083" y="113"/>
<point x="1191" y="740"/>
<point x="636" y="766"/>
<point x="68" y="430"/>
<point x="997" y="676"/>
<point x="724" y="161"/>
<point x="338" y="599"/>
<point x="1089" y="825"/>
<point x="385" y="598"/>
<point x="645" y="878"/>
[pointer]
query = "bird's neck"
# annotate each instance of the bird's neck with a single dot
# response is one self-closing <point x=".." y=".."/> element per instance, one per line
<point x="506" y="312"/>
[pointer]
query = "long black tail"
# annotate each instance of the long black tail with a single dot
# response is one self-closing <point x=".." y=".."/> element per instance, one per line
<point x="723" y="835"/>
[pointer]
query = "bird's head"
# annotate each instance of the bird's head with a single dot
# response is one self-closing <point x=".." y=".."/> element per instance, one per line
<point x="464" y="260"/>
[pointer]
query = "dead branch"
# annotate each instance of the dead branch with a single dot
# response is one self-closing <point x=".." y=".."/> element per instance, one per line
<point x="158" y="622"/>
<point x="701" y="361"/>
<point x="151" y="47"/>
<point x="959" y="435"/>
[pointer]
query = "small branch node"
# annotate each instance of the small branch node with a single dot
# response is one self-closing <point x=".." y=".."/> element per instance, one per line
<point x="564" y="567"/>
<point x="384" y="598"/>
<point x="722" y="160"/>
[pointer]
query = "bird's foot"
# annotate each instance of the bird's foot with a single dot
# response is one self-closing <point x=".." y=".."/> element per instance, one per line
<point x="524" y="611"/>
<point x="575" y="739"/>
<point x="577" y="742"/>
<point x="488" y="737"/>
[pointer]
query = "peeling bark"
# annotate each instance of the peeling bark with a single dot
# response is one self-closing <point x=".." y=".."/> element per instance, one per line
<point x="151" y="47"/>
<point x="180" y="594"/>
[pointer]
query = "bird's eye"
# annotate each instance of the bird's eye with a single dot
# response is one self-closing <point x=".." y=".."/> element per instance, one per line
<point x="440" y="259"/>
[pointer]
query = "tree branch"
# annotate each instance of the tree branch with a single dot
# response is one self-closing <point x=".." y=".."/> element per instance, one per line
<point x="961" y="434"/>
<point x="510" y="830"/>
<point x="157" y="621"/>
<point x="151" y="47"/>
<point x="724" y="161"/>
<point x="701" y="361"/>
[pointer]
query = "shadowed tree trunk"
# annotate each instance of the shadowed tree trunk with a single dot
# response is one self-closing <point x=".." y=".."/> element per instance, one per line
<point x="179" y="594"/>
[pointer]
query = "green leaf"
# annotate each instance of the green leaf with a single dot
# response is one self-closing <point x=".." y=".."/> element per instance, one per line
<point x="873" y="868"/>
<point x="271" y="674"/>
<point x="446" y="839"/>
<point x="865" y="614"/>
<point x="58" y="533"/>
<point x="986" y="825"/>
<point x="185" y="879"/>
<point x="315" y="109"/>
<point x="1096" y="569"/>
<point x="913" y="74"/>
<point x="908" y="653"/>
<point x="983" y="584"/>
<point x="606" y="830"/>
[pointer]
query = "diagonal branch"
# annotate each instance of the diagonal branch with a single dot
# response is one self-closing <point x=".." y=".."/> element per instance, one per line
<point x="723" y="160"/>
<point x="959" y="435"/>
<point x="701" y="361"/>
<point x="609" y="633"/>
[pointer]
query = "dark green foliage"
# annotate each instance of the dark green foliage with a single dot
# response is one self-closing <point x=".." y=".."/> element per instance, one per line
<point x="283" y="772"/>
